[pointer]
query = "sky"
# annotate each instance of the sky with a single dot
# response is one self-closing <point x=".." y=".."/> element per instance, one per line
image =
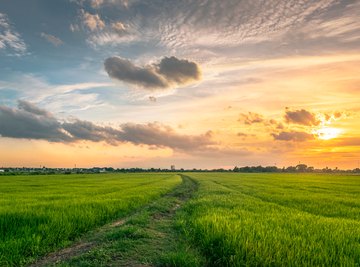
<point x="195" y="84"/>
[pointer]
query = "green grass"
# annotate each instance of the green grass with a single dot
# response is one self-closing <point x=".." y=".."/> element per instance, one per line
<point x="147" y="238"/>
<point x="275" y="219"/>
<point x="208" y="219"/>
<point x="39" y="214"/>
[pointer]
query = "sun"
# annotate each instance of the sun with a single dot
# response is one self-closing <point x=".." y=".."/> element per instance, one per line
<point x="327" y="133"/>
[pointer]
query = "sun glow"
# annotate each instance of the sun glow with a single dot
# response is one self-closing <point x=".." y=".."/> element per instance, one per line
<point x="327" y="133"/>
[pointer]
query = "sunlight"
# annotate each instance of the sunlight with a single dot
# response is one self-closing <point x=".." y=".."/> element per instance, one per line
<point x="327" y="133"/>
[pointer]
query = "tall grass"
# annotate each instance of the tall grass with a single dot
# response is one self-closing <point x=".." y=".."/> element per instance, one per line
<point x="39" y="214"/>
<point x="275" y="219"/>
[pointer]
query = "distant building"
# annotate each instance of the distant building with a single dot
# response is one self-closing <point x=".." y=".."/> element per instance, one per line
<point x="173" y="167"/>
<point x="1" y="170"/>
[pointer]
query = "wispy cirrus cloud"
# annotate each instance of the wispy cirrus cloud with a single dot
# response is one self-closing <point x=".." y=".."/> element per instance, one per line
<point x="101" y="32"/>
<point x="212" y="25"/>
<point x="10" y="40"/>
<point x="52" y="39"/>
<point x="342" y="25"/>
<point x="101" y="3"/>
<point x="61" y="97"/>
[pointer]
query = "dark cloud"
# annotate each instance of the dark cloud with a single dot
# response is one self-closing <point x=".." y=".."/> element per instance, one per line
<point x="302" y="117"/>
<point x="31" y="122"/>
<point x="163" y="136"/>
<point x="31" y="108"/>
<point x="275" y="123"/>
<point x="251" y="118"/>
<point x="85" y="130"/>
<point x="27" y="122"/>
<point x="293" y="136"/>
<point x="124" y="70"/>
<point x="152" y="98"/>
<point x="242" y="134"/>
<point x="180" y="71"/>
<point x="169" y="72"/>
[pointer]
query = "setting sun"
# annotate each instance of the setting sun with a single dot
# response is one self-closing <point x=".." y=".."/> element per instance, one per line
<point x="327" y="133"/>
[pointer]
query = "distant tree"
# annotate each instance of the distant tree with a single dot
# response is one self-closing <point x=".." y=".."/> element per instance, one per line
<point x="301" y="167"/>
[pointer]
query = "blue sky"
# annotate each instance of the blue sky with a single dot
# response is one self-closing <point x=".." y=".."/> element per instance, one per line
<point x="187" y="70"/>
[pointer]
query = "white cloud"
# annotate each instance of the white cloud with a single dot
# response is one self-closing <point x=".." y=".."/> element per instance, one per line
<point x="65" y="97"/>
<point x="229" y="23"/>
<point x="92" y="21"/>
<point x="100" y="3"/>
<point x="344" y="25"/>
<point x="10" y="40"/>
<point x="52" y="39"/>
<point x="109" y="38"/>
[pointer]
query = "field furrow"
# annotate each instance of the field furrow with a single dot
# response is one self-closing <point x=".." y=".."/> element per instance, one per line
<point x="39" y="214"/>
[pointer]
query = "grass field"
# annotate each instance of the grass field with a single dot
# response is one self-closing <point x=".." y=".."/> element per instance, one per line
<point x="217" y="219"/>
<point x="275" y="219"/>
<point x="41" y="213"/>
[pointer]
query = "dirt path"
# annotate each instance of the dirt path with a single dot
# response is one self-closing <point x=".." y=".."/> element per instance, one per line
<point x="135" y="240"/>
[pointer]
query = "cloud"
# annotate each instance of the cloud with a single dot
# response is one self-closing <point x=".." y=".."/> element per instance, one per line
<point x="343" y="25"/>
<point x="31" y="108"/>
<point x="10" y="39"/>
<point x="101" y="32"/>
<point x="74" y="27"/>
<point x="85" y="130"/>
<point x="293" y="136"/>
<point x="169" y="72"/>
<point x="213" y="23"/>
<point x="109" y="37"/>
<point x="163" y="136"/>
<point x="242" y="134"/>
<point x="31" y="122"/>
<point x="275" y="123"/>
<point x="124" y="70"/>
<point x="152" y="99"/>
<point x="180" y="71"/>
<point x="251" y="118"/>
<point x="27" y="122"/>
<point x="96" y="3"/>
<point x="348" y="141"/>
<point x="302" y="117"/>
<point x="119" y="27"/>
<point x="100" y="3"/>
<point x="92" y="21"/>
<point x="52" y="39"/>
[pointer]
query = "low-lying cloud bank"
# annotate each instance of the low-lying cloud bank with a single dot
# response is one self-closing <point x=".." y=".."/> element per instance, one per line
<point x="293" y="136"/>
<point x="169" y="72"/>
<point x="30" y="122"/>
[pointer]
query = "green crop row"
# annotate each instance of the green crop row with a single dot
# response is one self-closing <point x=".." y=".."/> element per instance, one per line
<point x="39" y="214"/>
<point x="275" y="219"/>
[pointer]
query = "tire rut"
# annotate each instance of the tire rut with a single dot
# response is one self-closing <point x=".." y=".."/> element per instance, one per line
<point x="92" y="239"/>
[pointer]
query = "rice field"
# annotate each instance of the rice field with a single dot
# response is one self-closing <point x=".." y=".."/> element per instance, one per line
<point x="230" y="219"/>
<point x="39" y="214"/>
<point x="275" y="219"/>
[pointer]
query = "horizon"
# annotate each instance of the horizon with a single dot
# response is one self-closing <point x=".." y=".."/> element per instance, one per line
<point x="228" y="168"/>
<point x="210" y="84"/>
